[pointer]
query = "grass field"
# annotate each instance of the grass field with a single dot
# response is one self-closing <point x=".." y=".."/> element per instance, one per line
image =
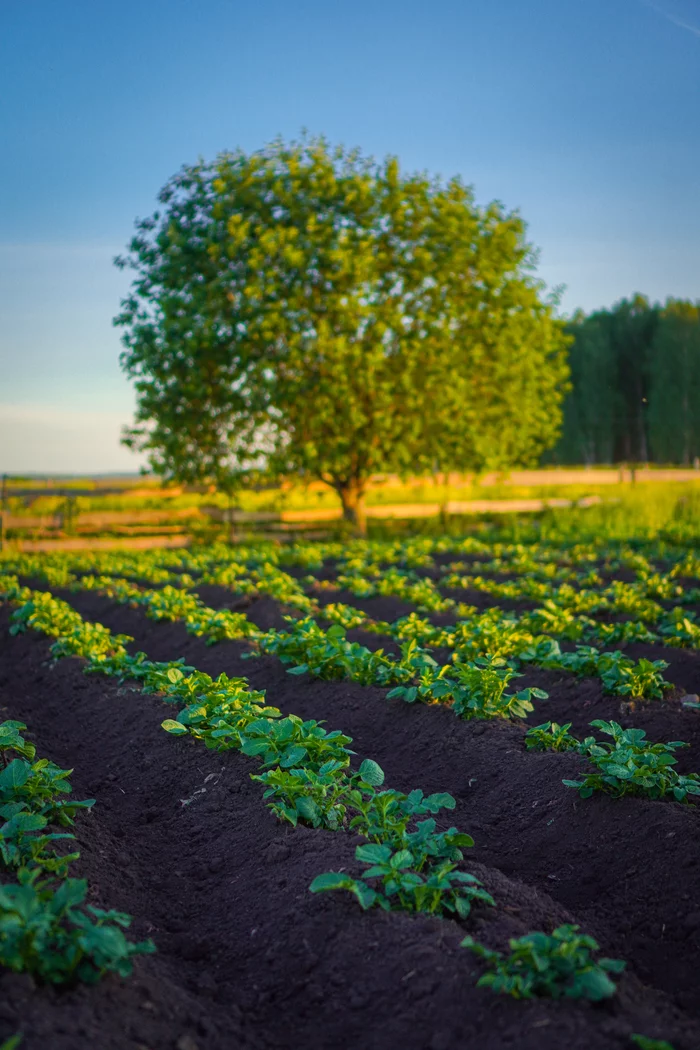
<point x="141" y="514"/>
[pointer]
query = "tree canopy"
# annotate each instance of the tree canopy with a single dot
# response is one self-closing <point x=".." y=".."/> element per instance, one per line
<point x="316" y="312"/>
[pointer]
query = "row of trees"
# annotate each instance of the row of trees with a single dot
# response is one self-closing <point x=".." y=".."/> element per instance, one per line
<point x="306" y="311"/>
<point x="635" y="375"/>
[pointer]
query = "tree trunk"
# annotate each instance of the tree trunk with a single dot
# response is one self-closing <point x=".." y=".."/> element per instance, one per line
<point x="352" y="496"/>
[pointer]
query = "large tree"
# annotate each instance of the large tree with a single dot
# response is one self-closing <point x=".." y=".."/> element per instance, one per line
<point x="323" y="314"/>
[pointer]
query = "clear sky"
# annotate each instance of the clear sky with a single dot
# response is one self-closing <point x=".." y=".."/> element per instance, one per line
<point x="583" y="114"/>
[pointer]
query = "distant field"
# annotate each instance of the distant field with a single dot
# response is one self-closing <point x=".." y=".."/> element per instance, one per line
<point x="141" y="511"/>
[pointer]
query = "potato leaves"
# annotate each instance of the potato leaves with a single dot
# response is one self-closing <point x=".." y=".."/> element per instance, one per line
<point x="548" y="966"/>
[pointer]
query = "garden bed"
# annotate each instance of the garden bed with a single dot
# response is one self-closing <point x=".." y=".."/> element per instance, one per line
<point x="248" y="957"/>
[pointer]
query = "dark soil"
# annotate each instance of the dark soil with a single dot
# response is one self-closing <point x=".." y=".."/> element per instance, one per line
<point x="247" y="957"/>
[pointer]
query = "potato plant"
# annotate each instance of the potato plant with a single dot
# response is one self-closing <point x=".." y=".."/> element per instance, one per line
<point x="328" y="654"/>
<point x="643" y="1042"/>
<point x="50" y="933"/>
<point x="44" y="928"/>
<point x="30" y="801"/>
<point x="550" y="736"/>
<point x="551" y="966"/>
<point x="630" y="765"/>
<point x="394" y="880"/>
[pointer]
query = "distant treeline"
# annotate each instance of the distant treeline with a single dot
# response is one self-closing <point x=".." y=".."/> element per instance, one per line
<point x="635" y="375"/>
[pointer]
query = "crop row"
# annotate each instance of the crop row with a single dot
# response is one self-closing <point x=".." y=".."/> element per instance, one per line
<point x="45" y="927"/>
<point x="414" y="553"/>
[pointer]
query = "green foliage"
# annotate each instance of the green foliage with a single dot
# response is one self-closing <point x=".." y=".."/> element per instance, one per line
<point x="29" y="802"/>
<point x="480" y="691"/>
<point x="635" y="372"/>
<point x="355" y="318"/>
<point x="680" y="630"/>
<point x="22" y="847"/>
<point x="50" y="934"/>
<point x="12" y="740"/>
<point x="52" y="616"/>
<point x="550" y="736"/>
<point x="37" y="787"/>
<point x="42" y="928"/>
<point x="13" y="1042"/>
<point x="675" y="383"/>
<point x="619" y="674"/>
<point x="548" y="966"/>
<point x="632" y="766"/>
<point x="420" y="880"/>
<point x="319" y="797"/>
<point x="384" y="816"/>
<point x="643" y="1042"/>
<point x="291" y="742"/>
<point x="328" y="654"/>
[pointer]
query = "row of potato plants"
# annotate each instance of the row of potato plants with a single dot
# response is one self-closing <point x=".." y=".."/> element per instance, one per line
<point x="46" y="928"/>
<point x="483" y="692"/>
<point x="629" y="765"/>
<point x="166" y="566"/>
<point x="307" y="775"/>
<point x="416" y="552"/>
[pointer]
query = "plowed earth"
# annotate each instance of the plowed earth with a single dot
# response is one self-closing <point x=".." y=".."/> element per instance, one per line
<point x="247" y="958"/>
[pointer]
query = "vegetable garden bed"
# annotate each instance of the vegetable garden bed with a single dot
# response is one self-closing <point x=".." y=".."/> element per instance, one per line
<point x="181" y="840"/>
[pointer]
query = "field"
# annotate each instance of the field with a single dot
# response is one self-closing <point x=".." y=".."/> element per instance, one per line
<point x="83" y="513"/>
<point x="255" y="717"/>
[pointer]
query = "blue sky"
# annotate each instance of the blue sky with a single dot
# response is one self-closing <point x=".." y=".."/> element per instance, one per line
<point x="583" y="114"/>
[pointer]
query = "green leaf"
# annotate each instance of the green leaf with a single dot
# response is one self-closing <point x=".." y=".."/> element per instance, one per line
<point x="15" y="775"/>
<point x="618" y="771"/>
<point x="332" y="880"/>
<point x="12" y="1042"/>
<point x="372" y="773"/>
<point x="292" y="756"/>
<point x="27" y="822"/>
<point x="372" y="853"/>
<point x="595" y="985"/>
<point x="402" y="859"/>
<point x="70" y="893"/>
<point x="309" y="810"/>
<point x="176" y="728"/>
